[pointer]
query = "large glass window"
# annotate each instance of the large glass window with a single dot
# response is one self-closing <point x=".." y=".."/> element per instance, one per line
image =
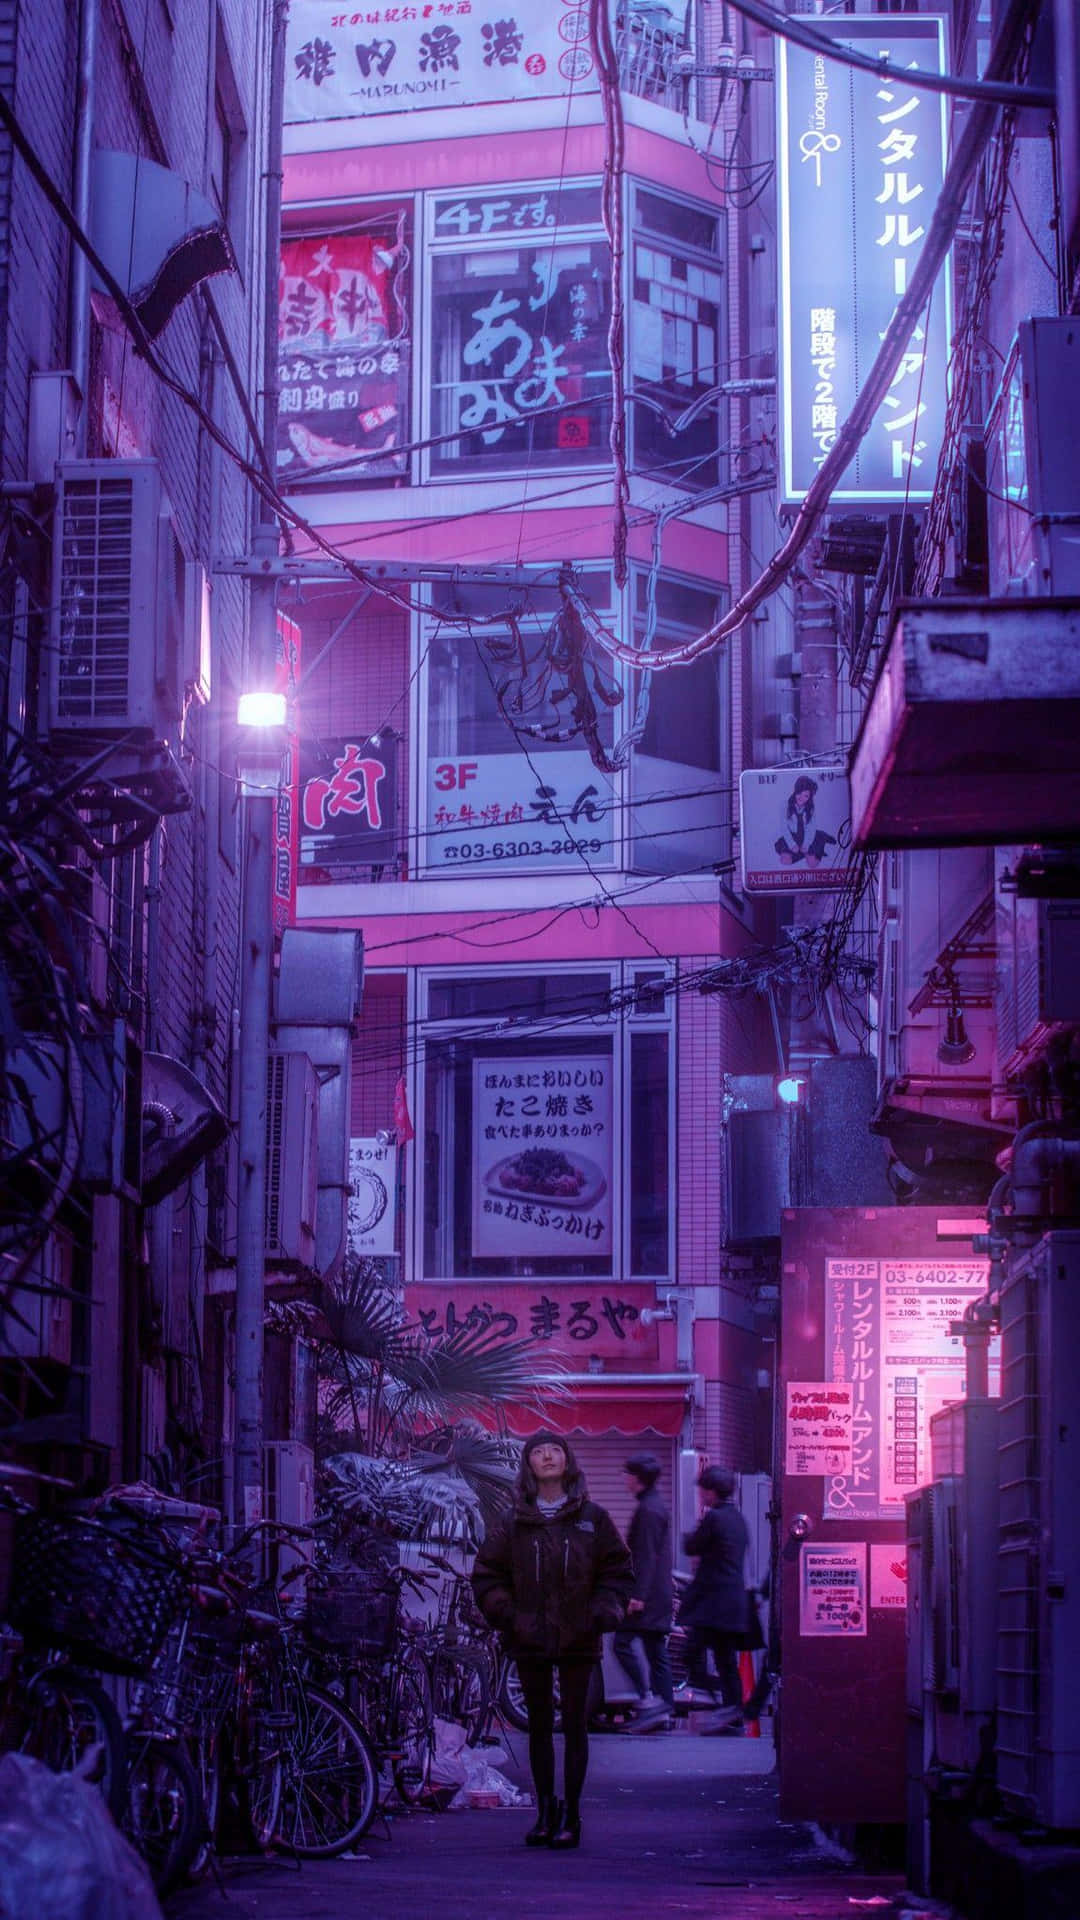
<point x="509" y="782"/>
<point x="676" y="338"/>
<point x="520" y="308"/>
<point x="344" y="329"/>
<point x="547" y="1151"/>
<point x="680" y="801"/>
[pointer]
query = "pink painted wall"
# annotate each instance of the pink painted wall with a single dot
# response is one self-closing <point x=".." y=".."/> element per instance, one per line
<point x="510" y="536"/>
<point x="478" y="160"/>
<point x="457" y="939"/>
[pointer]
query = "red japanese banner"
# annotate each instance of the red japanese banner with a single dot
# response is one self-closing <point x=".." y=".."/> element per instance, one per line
<point x="344" y="353"/>
<point x="286" y="822"/>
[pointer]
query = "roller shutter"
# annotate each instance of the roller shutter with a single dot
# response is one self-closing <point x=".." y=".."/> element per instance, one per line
<point x="602" y="1459"/>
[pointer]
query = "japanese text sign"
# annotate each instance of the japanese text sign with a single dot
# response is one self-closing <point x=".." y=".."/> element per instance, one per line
<point x="818" y="1432"/>
<point x="348" y="803"/>
<point x="491" y="810"/>
<point x="542" y="1156"/>
<point x="343" y="354"/>
<point x="794" y="829"/>
<point x="832" y="1590"/>
<point x="861" y="160"/>
<point x="349" y="62"/>
<point x="567" y="1320"/>
<point x="371" y="1210"/>
<point x="287" y="808"/>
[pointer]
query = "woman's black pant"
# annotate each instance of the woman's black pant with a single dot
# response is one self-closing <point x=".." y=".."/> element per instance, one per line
<point x="537" y="1685"/>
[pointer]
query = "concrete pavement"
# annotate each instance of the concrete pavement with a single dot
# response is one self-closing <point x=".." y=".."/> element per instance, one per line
<point x="674" y="1824"/>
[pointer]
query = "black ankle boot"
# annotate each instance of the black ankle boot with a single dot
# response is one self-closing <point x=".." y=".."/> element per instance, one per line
<point x="548" y="1820"/>
<point x="567" y="1834"/>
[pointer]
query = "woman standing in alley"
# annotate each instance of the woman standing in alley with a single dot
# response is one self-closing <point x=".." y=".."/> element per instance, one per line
<point x="554" y="1575"/>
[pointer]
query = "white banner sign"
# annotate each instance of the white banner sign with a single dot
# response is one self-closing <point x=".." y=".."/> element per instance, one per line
<point x="542" y="1156"/>
<point x="495" y="810"/>
<point x="795" y="829"/>
<point x="346" y="62"/>
<point x="372" y="1208"/>
<point x="832" y="1591"/>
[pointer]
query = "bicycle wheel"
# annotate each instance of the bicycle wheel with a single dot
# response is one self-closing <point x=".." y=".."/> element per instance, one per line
<point x="163" y="1816"/>
<point x="410" y="1732"/>
<point x="329" y="1779"/>
<point x="511" y="1700"/>
<point x="65" y="1715"/>
<point x="206" y="1759"/>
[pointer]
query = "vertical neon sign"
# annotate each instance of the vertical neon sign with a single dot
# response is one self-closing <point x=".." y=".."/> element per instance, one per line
<point x="861" y="159"/>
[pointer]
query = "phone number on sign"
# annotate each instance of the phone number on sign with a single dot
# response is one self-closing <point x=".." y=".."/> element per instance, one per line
<point x="518" y="849"/>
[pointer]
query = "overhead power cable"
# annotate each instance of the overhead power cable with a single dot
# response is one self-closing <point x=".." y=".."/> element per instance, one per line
<point x="794" y="27"/>
<point x="895" y="340"/>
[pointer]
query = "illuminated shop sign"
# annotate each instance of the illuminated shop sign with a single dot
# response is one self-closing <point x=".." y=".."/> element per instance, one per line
<point x="344" y="62"/>
<point x="348" y="806"/>
<point x="542" y="1156"/>
<point x="343" y="354"/>
<point x="861" y="160"/>
<point x="795" y="828"/>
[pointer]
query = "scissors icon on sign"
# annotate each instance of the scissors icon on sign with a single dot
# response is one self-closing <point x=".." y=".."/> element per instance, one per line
<point x="813" y="144"/>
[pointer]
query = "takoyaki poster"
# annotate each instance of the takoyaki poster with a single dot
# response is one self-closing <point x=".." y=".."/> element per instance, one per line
<point x="794" y="829"/>
<point x="542" y="1156"/>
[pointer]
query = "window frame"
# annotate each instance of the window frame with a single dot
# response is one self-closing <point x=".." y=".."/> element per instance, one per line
<point x="724" y="774"/>
<point x="622" y="1023"/>
<point x="441" y="246"/>
<point x="640" y="234"/>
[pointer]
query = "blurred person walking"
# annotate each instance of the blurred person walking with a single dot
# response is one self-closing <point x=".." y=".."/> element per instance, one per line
<point x="715" y="1607"/>
<point x="649" y="1609"/>
<point x="553" y="1575"/>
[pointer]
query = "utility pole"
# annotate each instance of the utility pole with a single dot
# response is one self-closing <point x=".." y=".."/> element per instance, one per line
<point x="260" y="773"/>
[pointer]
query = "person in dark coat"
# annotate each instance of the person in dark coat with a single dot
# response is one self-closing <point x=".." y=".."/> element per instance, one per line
<point x="649" y="1610"/>
<point x="714" y="1608"/>
<point x="553" y="1576"/>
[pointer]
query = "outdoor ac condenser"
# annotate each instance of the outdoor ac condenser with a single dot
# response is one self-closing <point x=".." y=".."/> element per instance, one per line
<point x="292" y="1169"/>
<point x="119" y="628"/>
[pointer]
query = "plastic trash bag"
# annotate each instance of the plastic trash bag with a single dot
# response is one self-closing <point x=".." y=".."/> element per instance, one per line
<point x="61" y="1857"/>
<point x="447" y="1763"/>
<point x="482" y="1776"/>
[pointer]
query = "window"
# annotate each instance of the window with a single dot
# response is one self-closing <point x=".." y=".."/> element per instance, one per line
<point x="520" y="309"/>
<point x="228" y="148"/>
<point x="547" y="1152"/>
<point x="680" y="805"/>
<point x="345" y="330"/>
<point x="676" y="338"/>
<point x="504" y="785"/>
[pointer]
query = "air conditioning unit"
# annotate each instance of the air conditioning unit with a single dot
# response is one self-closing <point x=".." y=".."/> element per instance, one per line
<point x="292" y="1169"/>
<point x="1038" y="982"/>
<point x="121" y="624"/>
<point x="1038" y="1729"/>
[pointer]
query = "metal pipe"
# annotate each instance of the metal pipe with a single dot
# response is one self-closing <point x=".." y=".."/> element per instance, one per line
<point x="259" y="807"/>
<point x="1039" y="1151"/>
<point x="79" y="272"/>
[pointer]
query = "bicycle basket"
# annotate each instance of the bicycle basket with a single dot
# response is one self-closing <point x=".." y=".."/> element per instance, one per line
<point x="106" y="1594"/>
<point x="191" y="1681"/>
<point x="353" y="1617"/>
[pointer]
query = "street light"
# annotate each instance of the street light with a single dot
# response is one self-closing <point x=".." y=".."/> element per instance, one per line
<point x="260" y="749"/>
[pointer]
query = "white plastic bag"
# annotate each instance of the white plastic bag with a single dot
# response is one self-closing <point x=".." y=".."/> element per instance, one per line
<point x="447" y="1763"/>
<point x="481" y="1766"/>
<point x="61" y="1857"/>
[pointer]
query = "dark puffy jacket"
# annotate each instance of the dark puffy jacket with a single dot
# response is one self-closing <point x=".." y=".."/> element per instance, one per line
<point x="716" y="1596"/>
<point x="553" y="1585"/>
<point x="649" y="1539"/>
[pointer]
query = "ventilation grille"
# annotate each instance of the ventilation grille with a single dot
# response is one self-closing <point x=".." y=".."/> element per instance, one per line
<point x="275" y="1141"/>
<point x="98" y="535"/>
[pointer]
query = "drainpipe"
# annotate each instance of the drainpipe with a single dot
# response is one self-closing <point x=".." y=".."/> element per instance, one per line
<point x="79" y="273"/>
<point x="1038" y="1152"/>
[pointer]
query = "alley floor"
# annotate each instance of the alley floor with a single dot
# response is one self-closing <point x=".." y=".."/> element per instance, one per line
<point x="674" y="1824"/>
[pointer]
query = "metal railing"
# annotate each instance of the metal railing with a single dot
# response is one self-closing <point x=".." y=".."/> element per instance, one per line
<point x="648" y="48"/>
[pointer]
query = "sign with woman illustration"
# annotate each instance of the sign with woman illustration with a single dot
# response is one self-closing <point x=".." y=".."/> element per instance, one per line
<point x="795" y="825"/>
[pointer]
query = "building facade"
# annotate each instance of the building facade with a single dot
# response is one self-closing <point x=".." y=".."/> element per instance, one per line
<point x="536" y="840"/>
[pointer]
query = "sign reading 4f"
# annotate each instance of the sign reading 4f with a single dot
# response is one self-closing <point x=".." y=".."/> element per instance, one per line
<point x="860" y="166"/>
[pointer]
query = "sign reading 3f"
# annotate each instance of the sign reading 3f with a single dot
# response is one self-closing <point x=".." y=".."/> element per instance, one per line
<point x="861" y="158"/>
